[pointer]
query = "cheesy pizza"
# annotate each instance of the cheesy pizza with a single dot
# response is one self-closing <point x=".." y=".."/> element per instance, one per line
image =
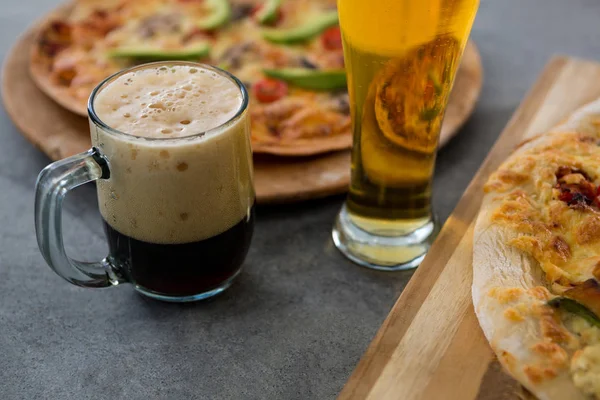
<point x="288" y="54"/>
<point x="536" y="261"/>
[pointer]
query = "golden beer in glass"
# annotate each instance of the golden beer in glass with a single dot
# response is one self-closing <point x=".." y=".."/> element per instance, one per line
<point x="401" y="58"/>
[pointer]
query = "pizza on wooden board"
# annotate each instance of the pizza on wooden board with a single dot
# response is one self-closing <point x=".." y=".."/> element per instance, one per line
<point x="536" y="261"/>
<point x="287" y="53"/>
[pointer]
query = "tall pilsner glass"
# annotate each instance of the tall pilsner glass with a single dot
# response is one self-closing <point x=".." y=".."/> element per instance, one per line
<point x="401" y="59"/>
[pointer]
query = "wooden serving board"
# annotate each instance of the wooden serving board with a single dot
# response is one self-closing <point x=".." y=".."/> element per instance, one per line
<point x="60" y="133"/>
<point x="430" y="346"/>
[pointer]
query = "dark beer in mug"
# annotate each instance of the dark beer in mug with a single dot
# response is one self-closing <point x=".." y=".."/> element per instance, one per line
<point x="178" y="206"/>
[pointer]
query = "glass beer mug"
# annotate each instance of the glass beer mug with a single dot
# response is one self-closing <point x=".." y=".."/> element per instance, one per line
<point x="172" y="162"/>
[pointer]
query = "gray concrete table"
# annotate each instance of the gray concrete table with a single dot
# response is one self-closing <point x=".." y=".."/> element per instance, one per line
<point x="300" y="316"/>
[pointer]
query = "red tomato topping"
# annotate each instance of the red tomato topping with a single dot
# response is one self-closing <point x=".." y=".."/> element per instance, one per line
<point x="588" y="189"/>
<point x="332" y="38"/>
<point x="583" y="193"/>
<point x="268" y="90"/>
<point x="566" y="196"/>
<point x="197" y="33"/>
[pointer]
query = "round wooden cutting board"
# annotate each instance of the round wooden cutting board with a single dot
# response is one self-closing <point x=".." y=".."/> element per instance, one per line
<point x="60" y="133"/>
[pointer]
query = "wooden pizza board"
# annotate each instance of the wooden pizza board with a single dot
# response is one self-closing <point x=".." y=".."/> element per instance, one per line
<point x="60" y="133"/>
<point x="431" y="346"/>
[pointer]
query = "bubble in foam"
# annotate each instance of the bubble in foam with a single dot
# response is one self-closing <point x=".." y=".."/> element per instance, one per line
<point x="123" y="96"/>
<point x="185" y="122"/>
<point x="193" y="70"/>
<point x="154" y="93"/>
<point x="166" y="131"/>
<point x="153" y="166"/>
<point x="157" y="105"/>
<point x="127" y="115"/>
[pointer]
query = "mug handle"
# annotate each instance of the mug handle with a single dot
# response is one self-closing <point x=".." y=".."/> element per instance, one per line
<point x="52" y="185"/>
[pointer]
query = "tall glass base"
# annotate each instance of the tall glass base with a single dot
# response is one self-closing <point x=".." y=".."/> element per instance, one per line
<point x="383" y="251"/>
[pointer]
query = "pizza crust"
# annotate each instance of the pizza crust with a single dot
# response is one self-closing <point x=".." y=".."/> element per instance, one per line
<point x="38" y="69"/>
<point x="498" y="265"/>
<point x="305" y="147"/>
<point x="585" y="120"/>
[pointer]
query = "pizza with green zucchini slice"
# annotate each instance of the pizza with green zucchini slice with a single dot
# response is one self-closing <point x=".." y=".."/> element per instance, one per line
<point x="288" y="54"/>
<point x="536" y="261"/>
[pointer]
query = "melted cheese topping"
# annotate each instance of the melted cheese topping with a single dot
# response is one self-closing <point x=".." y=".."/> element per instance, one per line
<point x="589" y="334"/>
<point x="564" y="239"/>
<point x="585" y="369"/>
<point x="585" y="365"/>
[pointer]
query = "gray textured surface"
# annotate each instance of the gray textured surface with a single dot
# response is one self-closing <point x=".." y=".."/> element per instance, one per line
<point x="299" y="317"/>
